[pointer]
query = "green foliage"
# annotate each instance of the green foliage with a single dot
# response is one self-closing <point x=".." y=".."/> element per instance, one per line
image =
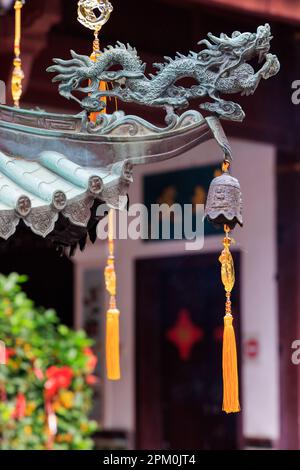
<point x="35" y="341"/>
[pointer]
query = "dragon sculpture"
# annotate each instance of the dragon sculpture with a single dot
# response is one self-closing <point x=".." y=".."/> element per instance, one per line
<point x="221" y="67"/>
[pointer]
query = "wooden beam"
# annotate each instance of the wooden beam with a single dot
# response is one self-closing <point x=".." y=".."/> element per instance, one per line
<point x="287" y="10"/>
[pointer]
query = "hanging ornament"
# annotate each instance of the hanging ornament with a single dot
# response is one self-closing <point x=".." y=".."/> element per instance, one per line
<point x="102" y="85"/>
<point x="224" y="209"/>
<point x="18" y="74"/>
<point x="113" y="314"/>
<point x="93" y="14"/>
<point x="224" y="200"/>
<point x="229" y="363"/>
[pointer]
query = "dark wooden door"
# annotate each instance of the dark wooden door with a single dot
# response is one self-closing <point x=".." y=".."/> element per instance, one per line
<point x="50" y="276"/>
<point x="179" y="325"/>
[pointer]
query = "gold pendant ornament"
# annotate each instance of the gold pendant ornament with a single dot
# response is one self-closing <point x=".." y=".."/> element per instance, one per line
<point x="93" y="14"/>
<point x="113" y="314"/>
<point x="231" y="402"/>
<point x="224" y="209"/>
<point x="102" y="85"/>
<point x="18" y="74"/>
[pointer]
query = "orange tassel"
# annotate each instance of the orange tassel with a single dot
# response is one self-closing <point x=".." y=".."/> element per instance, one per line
<point x="113" y="314"/>
<point x="93" y="116"/>
<point x="103" y="85"/>
<point x="231" y="402"/>
<point x="230" y="370"/>
<point x="113" y="345"/>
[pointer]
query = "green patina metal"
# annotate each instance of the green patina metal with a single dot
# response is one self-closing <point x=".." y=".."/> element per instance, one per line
<point x="55" y="169"/>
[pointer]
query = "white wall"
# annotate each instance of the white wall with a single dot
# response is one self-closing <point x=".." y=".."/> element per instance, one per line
<point x="254" y="166"/>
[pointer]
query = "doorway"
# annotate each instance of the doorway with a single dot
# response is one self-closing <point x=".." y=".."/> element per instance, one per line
<point x="179" y="328"/>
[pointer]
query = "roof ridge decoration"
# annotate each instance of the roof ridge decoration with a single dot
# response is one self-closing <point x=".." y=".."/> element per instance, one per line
<point x="109" y="147"/>
<point x="221" y="67"/>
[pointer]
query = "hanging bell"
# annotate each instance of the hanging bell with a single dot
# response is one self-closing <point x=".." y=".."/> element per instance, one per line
<point x="224" y="201"/>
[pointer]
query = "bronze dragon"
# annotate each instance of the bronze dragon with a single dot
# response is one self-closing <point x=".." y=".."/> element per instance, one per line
<point x="221" y="67"/>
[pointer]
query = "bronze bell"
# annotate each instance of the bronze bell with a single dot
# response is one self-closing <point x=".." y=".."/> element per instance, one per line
<point x="224" y="202"/>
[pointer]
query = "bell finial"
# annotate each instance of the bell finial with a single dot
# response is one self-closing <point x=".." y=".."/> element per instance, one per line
<point x="224" y="200"/>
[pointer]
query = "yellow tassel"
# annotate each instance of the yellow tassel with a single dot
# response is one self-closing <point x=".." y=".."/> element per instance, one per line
<point x="93" y="116"/>
<point x="102" y="85"/>
<point x="18" y="74"/>
<point x="230" y="371"/>
<point x="113" y="314"/>
<point x="113" y="344"/>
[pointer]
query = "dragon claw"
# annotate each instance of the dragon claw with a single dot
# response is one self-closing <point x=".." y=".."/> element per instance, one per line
<point x="271" y="66"/>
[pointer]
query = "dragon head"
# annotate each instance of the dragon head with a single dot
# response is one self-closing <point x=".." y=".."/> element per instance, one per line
<point x="225" y="62"/>
<point x="262" y="41"/>
<point x="238" y="46"/>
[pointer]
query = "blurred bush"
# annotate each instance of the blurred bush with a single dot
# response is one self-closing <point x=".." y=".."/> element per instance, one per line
<point x="45" y="387"/>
